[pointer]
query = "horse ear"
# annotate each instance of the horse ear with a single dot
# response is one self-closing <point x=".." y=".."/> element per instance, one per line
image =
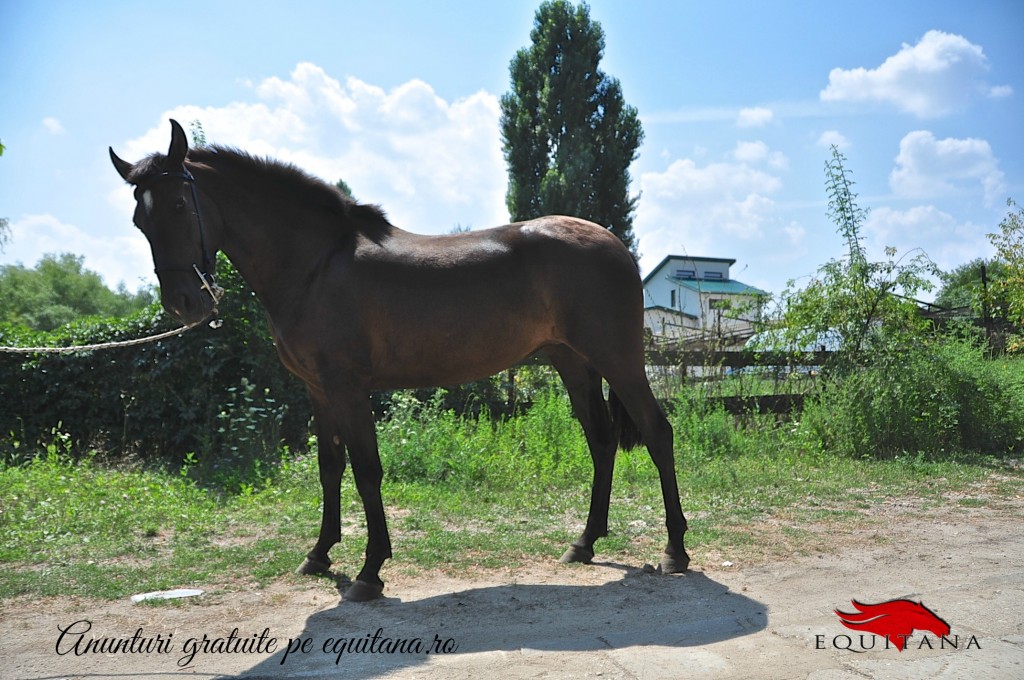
<point x="179" y="146"/>
<point x="123" y="167"/>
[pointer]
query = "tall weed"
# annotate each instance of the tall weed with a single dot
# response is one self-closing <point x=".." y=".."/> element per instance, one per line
<point x="936" y="398"/>
<point x="702" y="428"/>
<point x="425" y="442"/>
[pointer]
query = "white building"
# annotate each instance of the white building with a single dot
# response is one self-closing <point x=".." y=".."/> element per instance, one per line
<point x="692" y="298"/>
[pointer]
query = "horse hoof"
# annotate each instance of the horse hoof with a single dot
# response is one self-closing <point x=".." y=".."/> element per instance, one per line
<point x="674" y="564"/>
<point x="313" y="567"/>
<point x="576" y="554"/>
<point x="361" y="591"/>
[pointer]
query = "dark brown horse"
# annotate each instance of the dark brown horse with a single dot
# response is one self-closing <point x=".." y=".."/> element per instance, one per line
<point x="357" y="305"/>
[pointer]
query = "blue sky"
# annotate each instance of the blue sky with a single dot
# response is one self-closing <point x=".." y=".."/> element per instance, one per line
<point x="739" y="100"/>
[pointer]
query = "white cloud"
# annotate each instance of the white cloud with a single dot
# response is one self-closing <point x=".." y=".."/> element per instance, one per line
<point x="125" y="258"/>
<point x="795" y="233"/>
<point x="750" y="152"/>
<point x="53" y="125"/>
<point x="937" y="76"/>
<point x="927" y="167"/>
<point x="948" y="242"/>
<point x="754" y="117"/>
<point x="429" y="162"/>
<point x="706" y="209"/>
<point x="757" y="152"/>
<point x="831" y="138"/>
<point x="1000" y="91"/>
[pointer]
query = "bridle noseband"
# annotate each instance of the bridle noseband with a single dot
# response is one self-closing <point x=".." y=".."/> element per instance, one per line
<point x="207" y="280"/>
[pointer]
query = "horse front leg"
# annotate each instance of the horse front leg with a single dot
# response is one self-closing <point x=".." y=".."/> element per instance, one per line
<point x="361" y="437"/>
<point x="331" y="463"/>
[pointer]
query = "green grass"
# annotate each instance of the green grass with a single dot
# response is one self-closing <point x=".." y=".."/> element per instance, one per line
<point x="463" y="495"/>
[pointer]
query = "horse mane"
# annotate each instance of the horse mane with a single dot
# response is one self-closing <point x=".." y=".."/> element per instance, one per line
<point x="281" y="176"/>
<point x="268" y="175"/>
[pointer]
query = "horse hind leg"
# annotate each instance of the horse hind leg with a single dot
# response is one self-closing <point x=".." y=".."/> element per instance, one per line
<point x="583" y="384"/>
<point x="643" y="408"/>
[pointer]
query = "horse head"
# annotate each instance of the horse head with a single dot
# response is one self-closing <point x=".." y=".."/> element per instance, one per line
<point x="167" y="212"/>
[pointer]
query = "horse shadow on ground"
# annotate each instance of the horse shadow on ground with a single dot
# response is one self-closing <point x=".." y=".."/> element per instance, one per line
<point x="672" y="614"/>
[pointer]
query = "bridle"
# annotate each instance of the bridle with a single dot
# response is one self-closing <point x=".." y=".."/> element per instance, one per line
<point x="209" y="284"/>
<point x="205" y="278"/>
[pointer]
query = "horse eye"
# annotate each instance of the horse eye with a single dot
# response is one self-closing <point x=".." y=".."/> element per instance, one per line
<point x="179" y="205"/>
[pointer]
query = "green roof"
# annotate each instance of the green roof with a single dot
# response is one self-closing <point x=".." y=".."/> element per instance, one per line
<point x="730" y="287"/>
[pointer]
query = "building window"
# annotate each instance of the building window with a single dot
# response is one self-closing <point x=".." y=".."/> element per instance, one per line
<point x="672" y="299"/>
<point x="713" y="275"/>
<point x="686" y="273"/>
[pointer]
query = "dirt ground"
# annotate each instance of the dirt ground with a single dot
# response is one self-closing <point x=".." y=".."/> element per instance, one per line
<point x="599" y="621"/>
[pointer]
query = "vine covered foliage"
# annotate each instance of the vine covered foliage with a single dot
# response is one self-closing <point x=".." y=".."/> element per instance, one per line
<point x="218" y="391"/>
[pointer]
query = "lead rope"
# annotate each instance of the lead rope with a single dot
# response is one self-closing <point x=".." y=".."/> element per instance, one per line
<point x="215" y="291"/>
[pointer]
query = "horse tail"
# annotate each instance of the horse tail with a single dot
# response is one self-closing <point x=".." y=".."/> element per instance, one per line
<point x="625" y="431"/>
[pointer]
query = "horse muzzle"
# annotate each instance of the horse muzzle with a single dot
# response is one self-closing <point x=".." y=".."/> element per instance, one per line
<point x="192" y="300"/>
<point x="189" y="307"/>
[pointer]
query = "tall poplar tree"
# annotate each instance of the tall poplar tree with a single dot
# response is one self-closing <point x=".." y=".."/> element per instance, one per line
<point x="569" y="138"/>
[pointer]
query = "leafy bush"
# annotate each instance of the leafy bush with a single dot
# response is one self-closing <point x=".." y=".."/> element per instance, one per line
<point x="895" y="386"/>
<point x="1008" y="294"/>
<point x="157" y="401"/>
<point x="937" y="398"/>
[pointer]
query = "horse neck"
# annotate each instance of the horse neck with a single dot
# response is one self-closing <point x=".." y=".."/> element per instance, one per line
<point x="268" y="241"/>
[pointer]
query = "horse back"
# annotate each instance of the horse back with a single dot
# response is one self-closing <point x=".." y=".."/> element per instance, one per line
<point x="441" y="310"/>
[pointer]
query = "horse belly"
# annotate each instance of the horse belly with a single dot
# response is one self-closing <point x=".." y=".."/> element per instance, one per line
<point x="451" y="352"/>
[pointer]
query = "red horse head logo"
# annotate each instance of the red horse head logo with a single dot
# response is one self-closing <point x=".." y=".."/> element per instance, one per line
<point x="895" y="620"/>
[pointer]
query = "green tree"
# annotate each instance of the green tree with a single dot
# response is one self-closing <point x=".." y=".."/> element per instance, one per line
<point x="569" y="137"/>
<point x="344" y="188"/>
<point x="866" y="303"/>
<point x="965" y="286"/>
<point x="59" y="290"/>
<point x="844" y="211"/>
<point x="1009" y="244"/>
<point x="198" y="134"/>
